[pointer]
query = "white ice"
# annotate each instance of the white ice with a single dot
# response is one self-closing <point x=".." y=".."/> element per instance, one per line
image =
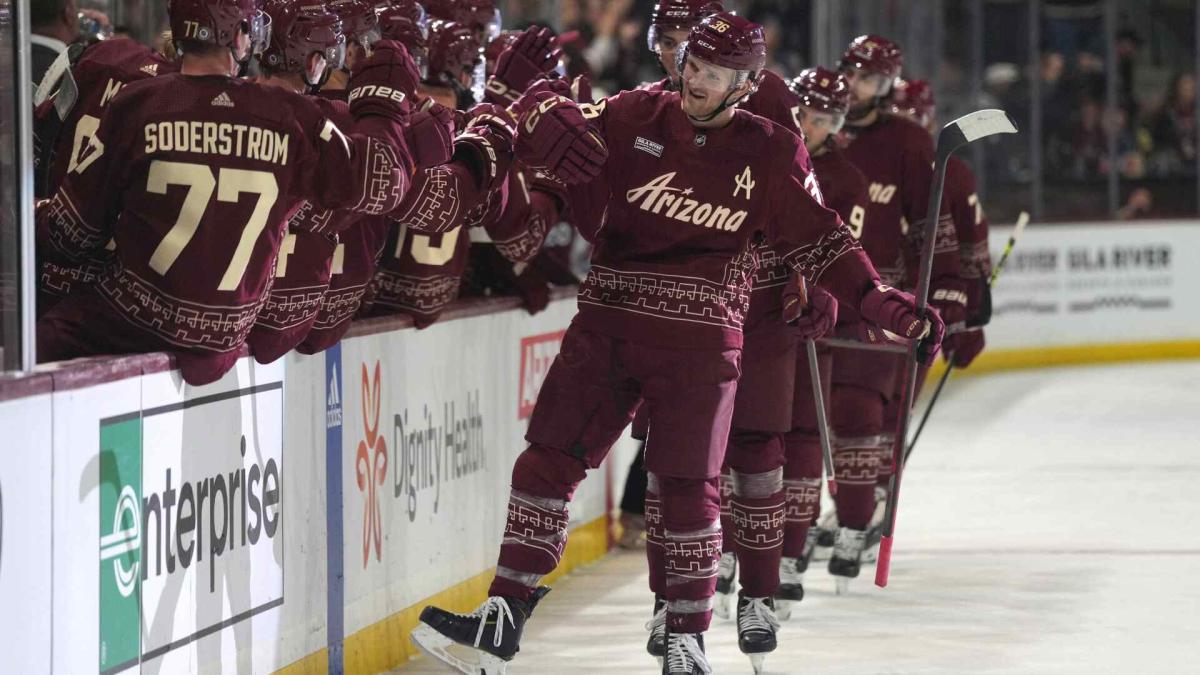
<point x="1049" y="524"/>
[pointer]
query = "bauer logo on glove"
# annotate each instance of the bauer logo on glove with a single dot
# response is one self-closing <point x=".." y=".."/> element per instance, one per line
<point x="376" y="90"/>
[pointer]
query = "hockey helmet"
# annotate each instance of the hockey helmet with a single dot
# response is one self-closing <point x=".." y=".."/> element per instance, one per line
<point x="481" y="16"/>
<point x="455" y="59"/>
<point x="874" y="55"/>
<point x="822" y="89"/>
<point x="360" y="23"/>
<point x="727" y="40"/>
<point x="298" y="31"/>
<point x="677" y="15"/>
<point x="913" y="99"/>
<point x="217" y="22"/>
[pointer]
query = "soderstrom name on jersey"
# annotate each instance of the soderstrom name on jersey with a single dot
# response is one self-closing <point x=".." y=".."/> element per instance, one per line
<point x="213" y="138"/>
<point x="660" y="198"/>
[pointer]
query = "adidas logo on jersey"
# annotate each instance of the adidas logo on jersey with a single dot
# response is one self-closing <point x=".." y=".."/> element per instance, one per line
<point x="223" y="100"/>
<point x="150" y="69"/>
<point x="658" y="197"/>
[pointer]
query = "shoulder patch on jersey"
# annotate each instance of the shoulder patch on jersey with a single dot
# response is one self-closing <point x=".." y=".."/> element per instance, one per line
<point x="222" y="100"/>
<point x="648" y="146"/>
<point x="150" y="69"/>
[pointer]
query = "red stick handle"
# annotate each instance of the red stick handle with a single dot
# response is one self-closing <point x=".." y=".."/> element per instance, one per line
<point x="884" y="564"/>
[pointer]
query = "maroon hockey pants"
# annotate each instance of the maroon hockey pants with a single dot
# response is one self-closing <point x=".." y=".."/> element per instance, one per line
<point x="590" y="395"/>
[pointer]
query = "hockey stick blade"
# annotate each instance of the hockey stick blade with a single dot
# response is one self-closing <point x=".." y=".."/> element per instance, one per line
<point x="966" y="129"/>
<point x="981" y="124"/>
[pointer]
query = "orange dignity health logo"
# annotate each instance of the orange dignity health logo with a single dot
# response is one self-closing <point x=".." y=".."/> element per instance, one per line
<point x="370" y="464"/>
<point x="537" y="353"/>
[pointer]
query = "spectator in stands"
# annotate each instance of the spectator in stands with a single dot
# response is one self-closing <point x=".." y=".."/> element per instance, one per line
<point x="1173" y="127"/>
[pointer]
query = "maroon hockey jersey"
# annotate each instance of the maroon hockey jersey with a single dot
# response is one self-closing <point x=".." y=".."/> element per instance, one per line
<point x="66" y="124"/>
<point x="354" y="264"/>
<point x="684" y="211"/>
<point x="896" y="155"/>
<point x="970" y="223"/>
<point x="422" y="267"/>
<point x="196" y="177"/>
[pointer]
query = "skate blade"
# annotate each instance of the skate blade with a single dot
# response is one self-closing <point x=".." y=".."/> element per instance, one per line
<point x="437" y="647"/>
<point x="721" y="604"/>
<point x="783" y="609"/>
<point x="842" y="585"/>
<point x="756" y="662"/>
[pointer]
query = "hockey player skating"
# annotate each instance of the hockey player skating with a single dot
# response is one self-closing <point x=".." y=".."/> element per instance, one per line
<point x="896" y="155"/>
<point x="824" y="102"/>
<point x="691" y="188"/>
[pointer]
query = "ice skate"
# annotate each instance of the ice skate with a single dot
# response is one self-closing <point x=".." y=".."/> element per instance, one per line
<point x="685" y="655"/>
<point x="847" y="557"/>
<point x="875" y="527"/>
<point x="656" y="643"/>
<point x="826" y="535"/>
<point x="479" y="643"/>
<point x="726" y="572"/>
<point x="791" y="587"/>
<point x="757" y="626"/>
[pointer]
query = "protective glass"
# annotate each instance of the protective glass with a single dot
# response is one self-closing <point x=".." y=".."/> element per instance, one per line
<point x="259" y="30"/>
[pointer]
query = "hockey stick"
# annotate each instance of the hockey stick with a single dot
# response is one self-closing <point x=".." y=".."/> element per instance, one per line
<point x="1022" y="221"/>
<point x="814" y="370"/>
<point x="966" y="129"/>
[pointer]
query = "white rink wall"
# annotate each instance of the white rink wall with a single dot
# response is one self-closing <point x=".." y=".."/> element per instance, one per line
<point x="1097" y="284"/>
<point x="150" y="526"/>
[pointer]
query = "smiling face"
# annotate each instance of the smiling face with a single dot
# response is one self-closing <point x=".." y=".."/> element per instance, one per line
<point x="706" y="87"/>
<point x="667" y="46"/>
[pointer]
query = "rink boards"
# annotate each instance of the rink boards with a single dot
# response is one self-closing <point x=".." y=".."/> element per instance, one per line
<point x="298" y="514"/>
<point x="171" y="528"/>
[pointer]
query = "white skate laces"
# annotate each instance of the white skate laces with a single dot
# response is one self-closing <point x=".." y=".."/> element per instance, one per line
<point x="658" y="623"/>
<point x="684" y="654"/>
<point x="757" y="616"/>
<point x="503" y="612"/>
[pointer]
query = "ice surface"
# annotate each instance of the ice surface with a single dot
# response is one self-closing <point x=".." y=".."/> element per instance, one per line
<point x="1050" y="523"/>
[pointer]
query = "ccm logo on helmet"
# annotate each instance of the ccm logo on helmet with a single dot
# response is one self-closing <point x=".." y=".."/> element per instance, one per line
<point x="376" y="90"/>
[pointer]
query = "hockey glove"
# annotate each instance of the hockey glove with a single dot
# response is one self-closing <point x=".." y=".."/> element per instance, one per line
<point x="486" y="145"/>
<point x="533" y="56"/>
<point x="429" y="135"/>
<point x="963" y="347"/>
<point x="949" y="296"/>
<point x="385" y="83"/>
<point x="812" y="317"/>
<point x="553" y="134"/>
<point x="896" y="312"/>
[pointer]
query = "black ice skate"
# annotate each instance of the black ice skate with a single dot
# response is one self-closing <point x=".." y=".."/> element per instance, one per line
<point x="757" y="626"/>
<point x="847" y="557"/>
<point x="826" y="528"/>
<point x="685" y="655"/>
<point x="479" y="643"/>
<point x="726" y="572"/>
<point x="791" y="587"/>
<point x="656" y="644"/>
